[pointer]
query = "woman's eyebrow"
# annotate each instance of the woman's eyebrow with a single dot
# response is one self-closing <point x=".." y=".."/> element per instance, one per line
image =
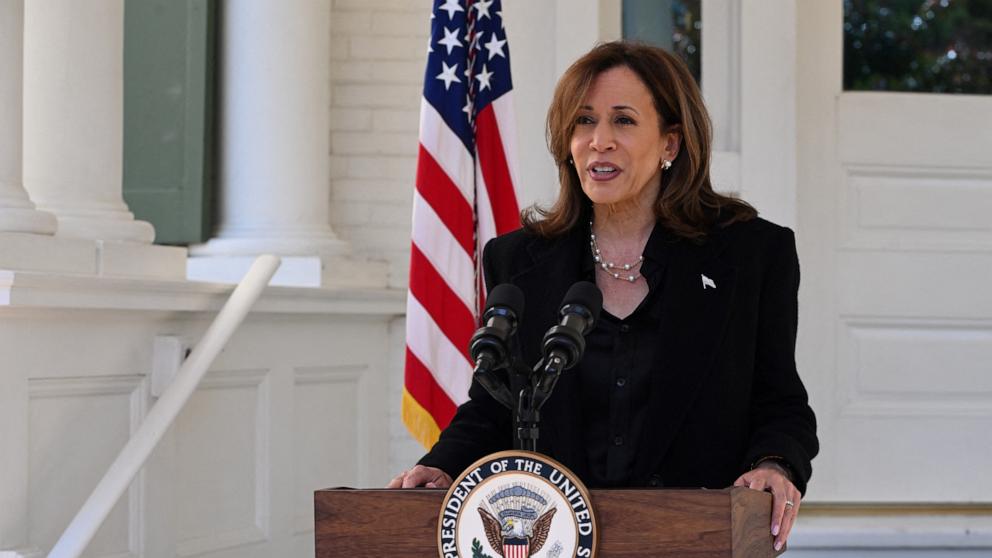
<point x="614" y="107"/>
<point x="623" y="107"/>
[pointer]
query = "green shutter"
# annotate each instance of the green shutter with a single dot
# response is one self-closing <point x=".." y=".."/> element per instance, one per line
<point x="168" y="93"/>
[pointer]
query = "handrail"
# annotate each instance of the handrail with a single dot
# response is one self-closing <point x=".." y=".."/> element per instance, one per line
<point x="131" y="459"/>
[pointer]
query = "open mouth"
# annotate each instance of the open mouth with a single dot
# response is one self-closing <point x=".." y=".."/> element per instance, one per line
<point x="603" y="171"/>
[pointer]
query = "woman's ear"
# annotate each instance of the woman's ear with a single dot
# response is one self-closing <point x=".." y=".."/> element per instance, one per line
<point x="673" y="141"/>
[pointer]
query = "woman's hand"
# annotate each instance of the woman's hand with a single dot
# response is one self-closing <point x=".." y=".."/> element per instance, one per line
<point x="771" y="477"/>
<point x="429" y="477"/>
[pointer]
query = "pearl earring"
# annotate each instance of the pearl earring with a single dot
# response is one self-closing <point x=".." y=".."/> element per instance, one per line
<point x="570" y="161"/>
<point x="666" y="165"/>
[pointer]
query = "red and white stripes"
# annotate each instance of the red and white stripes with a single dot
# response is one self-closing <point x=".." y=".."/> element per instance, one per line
<point x="455" y="193"/>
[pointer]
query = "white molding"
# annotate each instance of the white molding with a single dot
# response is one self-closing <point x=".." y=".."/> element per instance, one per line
<point x="961" y="190"/>
<point x="725" y="172"/>
<point x="137" y="493"/>
<point x="355" y="374"/>
<point x="133" y="386"/>
<point x="223" y="540"/>
<point x="872" y="527"/>
<point x="857" y="401"/>
<point x="44" y="290"/>
<point x="44" y="388"/>
<point x="721" y="73"/>
<point x="260" y="531"/>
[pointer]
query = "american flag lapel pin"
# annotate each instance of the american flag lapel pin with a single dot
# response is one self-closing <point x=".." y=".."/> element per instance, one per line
<point x="707" y="282"/>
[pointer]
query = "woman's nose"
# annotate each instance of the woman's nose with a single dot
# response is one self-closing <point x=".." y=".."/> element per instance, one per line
<point x="602" y="138"/>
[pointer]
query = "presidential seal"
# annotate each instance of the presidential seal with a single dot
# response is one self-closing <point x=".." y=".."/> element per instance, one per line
<point x="516" y="504"/>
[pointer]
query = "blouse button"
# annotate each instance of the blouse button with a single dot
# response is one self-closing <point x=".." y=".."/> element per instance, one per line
<point x="621" y="382"/>
<point x="618" y="441"/>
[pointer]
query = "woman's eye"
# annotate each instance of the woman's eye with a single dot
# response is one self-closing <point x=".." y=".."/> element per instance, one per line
<point x="584" y="120"/>
<point x="625" y="120"/>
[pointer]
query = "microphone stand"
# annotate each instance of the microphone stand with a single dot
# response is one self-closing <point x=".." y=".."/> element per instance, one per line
<point x="532" y="397"/>
<point x="541" y="381"/>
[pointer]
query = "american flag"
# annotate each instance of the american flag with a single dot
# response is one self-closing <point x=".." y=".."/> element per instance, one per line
<point x="464" y="196"/>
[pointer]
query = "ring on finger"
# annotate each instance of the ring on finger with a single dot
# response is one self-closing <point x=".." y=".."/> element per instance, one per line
<point x="789" y="504"/>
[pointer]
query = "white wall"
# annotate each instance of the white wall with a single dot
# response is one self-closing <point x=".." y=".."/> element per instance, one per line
<point x="294" y="403"/>
<point x="378" y="54"/>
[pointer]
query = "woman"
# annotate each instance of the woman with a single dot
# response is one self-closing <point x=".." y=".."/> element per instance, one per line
<point x="689" y="378"/>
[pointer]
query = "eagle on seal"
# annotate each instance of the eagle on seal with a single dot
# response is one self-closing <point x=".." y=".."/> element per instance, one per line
<point x="501" y="535"/>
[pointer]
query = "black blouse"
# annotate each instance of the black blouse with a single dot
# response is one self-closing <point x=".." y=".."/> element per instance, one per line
<point x="615" y="376"/>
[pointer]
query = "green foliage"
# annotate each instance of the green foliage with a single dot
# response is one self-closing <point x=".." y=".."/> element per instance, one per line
<point x="477" y="551"/>
<point x="940" y="46"/>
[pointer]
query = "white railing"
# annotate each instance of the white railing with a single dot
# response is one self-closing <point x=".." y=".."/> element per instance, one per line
<point x="131" y="459"/>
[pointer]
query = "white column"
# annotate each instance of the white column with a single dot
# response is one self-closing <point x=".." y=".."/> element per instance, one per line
<point x="73" y="117"/>
<point x="17" y="213"/>
<point x="275" y="131"/>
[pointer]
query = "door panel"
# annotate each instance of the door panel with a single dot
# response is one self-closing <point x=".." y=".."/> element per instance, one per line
<point x="895" y="226"/>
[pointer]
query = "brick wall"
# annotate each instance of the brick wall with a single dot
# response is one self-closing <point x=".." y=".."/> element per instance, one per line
<point x="378" y="52"/>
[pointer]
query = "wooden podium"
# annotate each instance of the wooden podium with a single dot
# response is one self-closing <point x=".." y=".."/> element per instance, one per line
<point x="382" y="523"/>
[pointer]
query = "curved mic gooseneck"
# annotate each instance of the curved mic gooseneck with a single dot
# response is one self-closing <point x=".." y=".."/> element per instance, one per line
<point x="562" y="348"/>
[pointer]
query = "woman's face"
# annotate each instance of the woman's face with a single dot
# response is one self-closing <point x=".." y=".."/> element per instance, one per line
<point x="617" y="145"/>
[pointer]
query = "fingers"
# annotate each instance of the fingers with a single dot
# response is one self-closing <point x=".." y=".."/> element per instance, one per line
<point x="397" y="481"/>
<point x="758" y="482"/>
<point x="783" y="492"/>
<point x="789" y="519"/>
<point x="420" y="475"/>
<point x="779" y="498"/>
<point x="444" y="481"/>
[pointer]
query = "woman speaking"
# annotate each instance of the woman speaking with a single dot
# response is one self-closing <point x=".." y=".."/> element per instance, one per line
<point x="689" y="376"/>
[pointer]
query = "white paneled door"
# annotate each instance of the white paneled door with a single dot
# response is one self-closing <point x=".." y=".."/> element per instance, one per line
<point x="895" y="238"/>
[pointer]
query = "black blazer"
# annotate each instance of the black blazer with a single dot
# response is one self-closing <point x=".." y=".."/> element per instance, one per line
<point x="725" y="391"/>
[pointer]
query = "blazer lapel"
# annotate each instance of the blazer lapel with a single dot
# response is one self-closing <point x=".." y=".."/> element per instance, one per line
<point x="696" y="300"/>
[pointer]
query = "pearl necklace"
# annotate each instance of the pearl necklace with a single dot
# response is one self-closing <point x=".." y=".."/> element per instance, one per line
<point x="609" y="267"/>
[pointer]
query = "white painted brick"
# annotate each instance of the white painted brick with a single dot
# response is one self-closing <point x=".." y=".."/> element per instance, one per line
<point x="378" y="52"/>
<point x="399" y="268"/>
<point x="415" y="23"/>
<point x="394" y="167"/>
<point x="396" y="214"/>
<point x="388" y="48"/>
<point x="374" y="96"/>
<point x="391" y="120"/>
<point x="367" y="239"/>
<point x="339" y="166"/>
<point x="379" y="143"/>
<point x="344" y="71"/>
<point x="399" y="72"/>
<point x="350" y="119"/>
<point x="351" y="214"/>
<point x="340" y="48"/>
<point x="378" y="71"/>
<point x="396" y="238"/>
<point x="350" y="23"/>
<point x="372" y="191"/>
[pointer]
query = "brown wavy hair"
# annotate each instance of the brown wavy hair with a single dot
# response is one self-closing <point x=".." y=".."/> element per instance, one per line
<point x="686" y="203"/>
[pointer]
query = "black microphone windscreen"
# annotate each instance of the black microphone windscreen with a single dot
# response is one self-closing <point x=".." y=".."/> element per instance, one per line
<point x="508" y="296"/>
<point x="586" y="294"/>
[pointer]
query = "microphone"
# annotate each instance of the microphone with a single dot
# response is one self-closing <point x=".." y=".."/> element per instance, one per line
<point x="565" y="342"/>
<point x="489" y="347"/>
